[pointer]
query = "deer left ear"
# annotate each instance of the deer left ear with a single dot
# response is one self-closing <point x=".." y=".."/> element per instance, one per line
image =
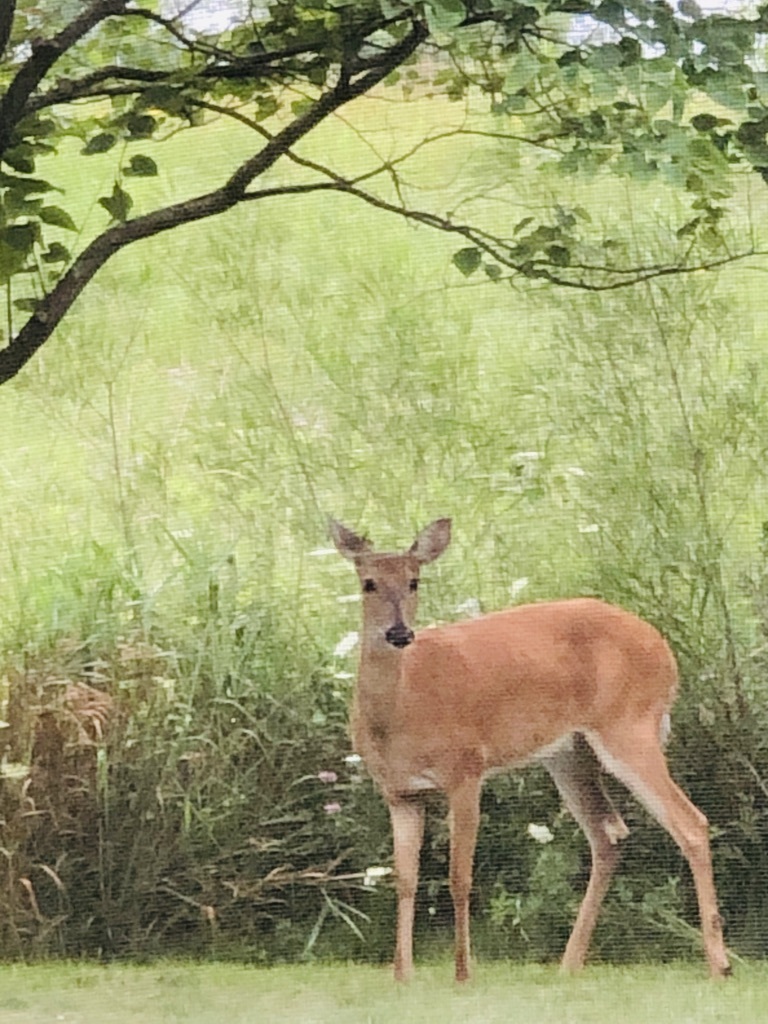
<point x="432" y="541"/>
<point x="347" y="543"/>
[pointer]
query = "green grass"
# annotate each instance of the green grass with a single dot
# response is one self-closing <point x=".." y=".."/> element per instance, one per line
<point x="222" y="389"/>
<point x="218" y="391"/>
<point x="499" y="993"/>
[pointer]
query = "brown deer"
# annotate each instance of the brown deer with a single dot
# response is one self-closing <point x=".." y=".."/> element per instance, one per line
<point x="571" y="684"/>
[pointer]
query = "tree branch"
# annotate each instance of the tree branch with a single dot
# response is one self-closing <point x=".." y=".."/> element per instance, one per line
<point x="499" y="250"/>
<point x="44" y="55"/>
<point x="56" y="304"/>
<point x="7" y="12"/>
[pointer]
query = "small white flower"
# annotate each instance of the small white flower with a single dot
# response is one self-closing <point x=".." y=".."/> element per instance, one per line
<point x="348" y="599"/>
<point x="343" y="675"/>
<point x="540" y="833"/>
<point x="374" y="874"/>
<point x="353" y="759"/>
<point x="592" y="528"/>
<point x="517" y="586"/>
<point x="532" y="456"/>
<point x="470" y="608"/>
<point x="575" y="471"/>
<point x="347" y="644"/>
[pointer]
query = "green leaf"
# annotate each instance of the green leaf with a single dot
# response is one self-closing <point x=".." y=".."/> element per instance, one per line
<point x="58" y="217"/>
<point x="99" y="144"/>
<point x="523" y="224"/>
<point x="606" y="57"/>
<point x="690" y="9"/>
<point x="27" y="305"/>
<point x="164" y="97"/>
<point x="689" y="228"/>
<point x="522" y="72"/>
<point x="559" y="255"/>
<point x="16" y="206"/>
<point x="118" y="205"/>
<point x="141" y="167"/>
<point x="467" y="260"/>
<point x="493" y="271"/>
<point x="20" y="158"/>
<point x="57" y="253"/>
<point x="20" y="237"/>
<point x="317" y="74"/>
<point x="299" y="107"/>
<point x="705" y="122"/>
<point x="140" y="126"/>
<point x="266" y="106"/>
<point x="445" y="14"/>
<point x="24" y="186"/>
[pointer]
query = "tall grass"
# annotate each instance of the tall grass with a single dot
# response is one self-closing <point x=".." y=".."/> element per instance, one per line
<point x="173" y="457"/>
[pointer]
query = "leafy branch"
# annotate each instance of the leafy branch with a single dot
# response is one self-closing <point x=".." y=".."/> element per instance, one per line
<point x="587" y="103"/>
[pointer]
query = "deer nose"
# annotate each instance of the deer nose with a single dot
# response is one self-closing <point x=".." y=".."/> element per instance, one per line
<point x="399" y="635"/>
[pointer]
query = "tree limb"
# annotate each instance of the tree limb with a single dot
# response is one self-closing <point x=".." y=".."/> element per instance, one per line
<point x="58" y="301"/>
<point x="499" y="249"/>
<point x="44" y="55"/>
<point x="7" y="12"/>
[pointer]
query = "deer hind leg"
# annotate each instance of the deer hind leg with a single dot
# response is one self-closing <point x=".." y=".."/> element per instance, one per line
<point x="463" y="819"/>
<point x="632" y="752"/>
<point x="407" y="817"/>
<point x="576" y="773"/>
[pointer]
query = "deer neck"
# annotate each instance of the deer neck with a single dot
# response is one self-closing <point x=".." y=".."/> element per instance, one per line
<point x="378" y="682"/>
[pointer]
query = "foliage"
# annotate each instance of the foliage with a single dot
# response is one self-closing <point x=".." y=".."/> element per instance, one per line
<point x="185" y="579"/>
<point x="175" y="706"/>
<point x="345" y="993"/>
<point x="636" y="89"/>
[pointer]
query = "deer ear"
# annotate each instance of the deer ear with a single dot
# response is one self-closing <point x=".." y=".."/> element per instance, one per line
<point x="347" y="543"/>
<point x="432" y="541"/>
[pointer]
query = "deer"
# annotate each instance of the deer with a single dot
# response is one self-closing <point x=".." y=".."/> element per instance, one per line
<point x="577" y="685"/>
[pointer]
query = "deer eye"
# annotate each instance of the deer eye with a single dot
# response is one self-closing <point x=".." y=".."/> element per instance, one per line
<point x="369" y="586"/>
<point x="413" y="585"/>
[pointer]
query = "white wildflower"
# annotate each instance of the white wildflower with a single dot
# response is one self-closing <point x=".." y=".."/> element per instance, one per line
<point x="540" y="833"/>
<point x="470" y="608"/>
<point x="347" y="644"/>
<point x="373" y="875"/>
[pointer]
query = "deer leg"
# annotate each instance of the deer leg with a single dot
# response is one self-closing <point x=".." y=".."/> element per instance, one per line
<point x="464" y="818"/>
<point x="407" y="817"/>
<point x="633" y="754"/>
<point x="576" y="773"/>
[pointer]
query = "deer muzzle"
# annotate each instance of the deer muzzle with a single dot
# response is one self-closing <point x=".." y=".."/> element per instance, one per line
<point x="399" y="635"/>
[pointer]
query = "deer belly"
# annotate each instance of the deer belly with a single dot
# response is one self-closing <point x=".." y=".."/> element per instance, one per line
<point x="422" y="782"/>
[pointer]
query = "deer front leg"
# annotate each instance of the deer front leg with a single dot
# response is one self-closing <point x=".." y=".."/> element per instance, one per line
<point x="464" y="818"/>
<point x="407" y="817"/>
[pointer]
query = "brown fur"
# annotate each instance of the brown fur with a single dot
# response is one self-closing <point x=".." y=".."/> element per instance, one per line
<point x="558" y="682"/>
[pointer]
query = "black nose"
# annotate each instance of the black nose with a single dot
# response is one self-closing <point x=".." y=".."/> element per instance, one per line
<point x="399" y="635"/>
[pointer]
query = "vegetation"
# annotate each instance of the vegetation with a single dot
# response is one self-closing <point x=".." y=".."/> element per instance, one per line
<point x="176" y="665"/>
<point x="202" y="993"/>
<point x="594" y="86"/>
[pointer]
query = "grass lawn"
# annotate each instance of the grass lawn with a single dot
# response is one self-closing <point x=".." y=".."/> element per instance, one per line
<point x="355" y="994"/>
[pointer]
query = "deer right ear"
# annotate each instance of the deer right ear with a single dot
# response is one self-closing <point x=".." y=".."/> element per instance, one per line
<point x="432" y="541"/>
<point x="348" y="544"/>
